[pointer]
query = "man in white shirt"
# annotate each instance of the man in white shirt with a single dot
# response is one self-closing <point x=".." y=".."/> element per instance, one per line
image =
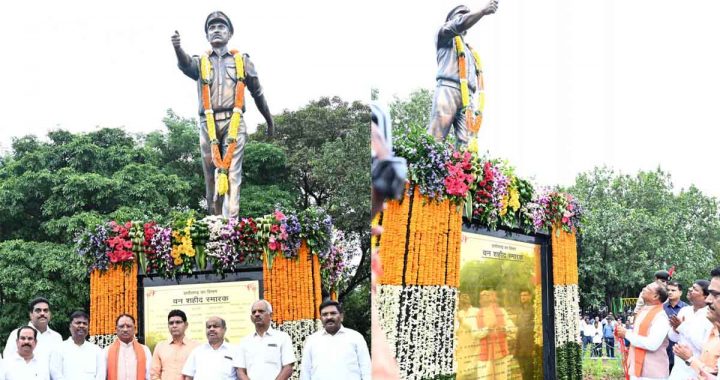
<point x="24" y="365"/>
<point x="76" y="358"/>
<point x="214" y="359"/>
<point x="267" y="353"/>
<point x="335" y="352"/>
<point x="690" y="327"/>
<point x="127" y="359"/>
<point x="47" y="339"/>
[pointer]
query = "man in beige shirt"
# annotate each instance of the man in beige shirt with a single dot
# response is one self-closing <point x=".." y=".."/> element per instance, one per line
<point x="169" y="356"/>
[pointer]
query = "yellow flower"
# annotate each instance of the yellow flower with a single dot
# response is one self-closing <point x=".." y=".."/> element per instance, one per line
<point x="504" y="203"/>
<point x="473" y="146"/>
<point x="514" y="202"/>
<point x="178" y="261"/>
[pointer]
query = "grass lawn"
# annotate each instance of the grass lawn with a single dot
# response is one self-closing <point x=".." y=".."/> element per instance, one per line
<point x="604" y="368"/>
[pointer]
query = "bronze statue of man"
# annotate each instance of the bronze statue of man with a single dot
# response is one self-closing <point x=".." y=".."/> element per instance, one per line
<point x="222" y="76"/>
<point x="447" y="107"/>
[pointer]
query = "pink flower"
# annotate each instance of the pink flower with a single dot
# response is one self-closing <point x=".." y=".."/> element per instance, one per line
<point x="279" y="216"/>
<point x="273" y="244"/>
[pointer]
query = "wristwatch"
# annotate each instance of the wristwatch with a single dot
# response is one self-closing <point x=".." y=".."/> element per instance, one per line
<point x="689" y="361"/>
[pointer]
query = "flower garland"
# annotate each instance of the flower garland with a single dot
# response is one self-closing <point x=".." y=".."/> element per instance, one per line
<point x="112" y="293"/>
<point x="298" y="330"/>
<point x="222" y="163"/>
<point x="567" y="299"/>
<point x="420" y="244"/>
<point x="293" y="287"/>
<point x="419" y="323"/>
<point x="473" y="118"/>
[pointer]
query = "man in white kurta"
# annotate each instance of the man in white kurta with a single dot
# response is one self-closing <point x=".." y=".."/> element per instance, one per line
<point x="24" y="365"/>
<point x="690" y="327"/>
<point x="214" y="359"/>
<point x="266" y="353"/>
<point x="76" y="358"/>
<point x="335" y="352"/>
<point x="47" y="338"/>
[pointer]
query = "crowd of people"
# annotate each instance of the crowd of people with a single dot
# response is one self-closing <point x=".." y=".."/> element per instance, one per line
<point x="35" y="351"/>
<point x="665" y="337"/>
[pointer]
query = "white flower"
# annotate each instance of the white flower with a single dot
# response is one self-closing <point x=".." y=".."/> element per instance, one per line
<point x="419" y="323"/>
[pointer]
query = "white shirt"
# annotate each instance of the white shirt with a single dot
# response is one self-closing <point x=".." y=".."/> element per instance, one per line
<point x="264" y="356"/>
<point x="207" y="363"/>
<point x="341" y="356"/>
<point x="693" y="331"/>
<point x="589" y="329"/>
<point x="657" y="333"/>
<point x="46" y="343"/>
<point x="72" y="362"/>
<point x="126" y="350"/>
<point x="16" y="368"/>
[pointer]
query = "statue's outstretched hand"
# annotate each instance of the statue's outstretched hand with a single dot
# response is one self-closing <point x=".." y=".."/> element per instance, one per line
<point x="175" y="39"/>
<point x="491" y="7"/>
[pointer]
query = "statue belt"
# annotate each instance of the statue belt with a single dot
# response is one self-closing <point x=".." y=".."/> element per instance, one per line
<point x="222" y="115"/>
<point x="453" y="83"/>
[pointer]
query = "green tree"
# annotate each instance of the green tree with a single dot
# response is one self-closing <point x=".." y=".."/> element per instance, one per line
<point x="636" y="225"/>
<point x="31" y="269"/>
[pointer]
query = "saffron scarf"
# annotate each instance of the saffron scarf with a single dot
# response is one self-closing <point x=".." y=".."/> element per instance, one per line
<point x="494" y="345"/>
<point x="643" y="330"/>
<point x="113" y="355"/>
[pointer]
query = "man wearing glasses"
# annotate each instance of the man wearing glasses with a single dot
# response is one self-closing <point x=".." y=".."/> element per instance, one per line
<point x="47" y="338"/>
<point x="170" y="355"/>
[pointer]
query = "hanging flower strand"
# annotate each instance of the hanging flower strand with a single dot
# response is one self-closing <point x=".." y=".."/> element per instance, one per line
<point x="222" y="163"/>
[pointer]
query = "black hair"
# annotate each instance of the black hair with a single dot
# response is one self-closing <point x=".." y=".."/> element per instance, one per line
<point x="35" y="301"/>
<point x="704" y="285"/>
<point x="124" y="315"/>
<point x="26" y="327"/>
<point x="177" y="313"/>
<point x="79" y="314"/>
<point x="329" y="302"/>
<point x="662" y="293"/>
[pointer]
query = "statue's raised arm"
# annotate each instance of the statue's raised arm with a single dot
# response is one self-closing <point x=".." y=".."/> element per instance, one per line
<point x="459" y="91"/>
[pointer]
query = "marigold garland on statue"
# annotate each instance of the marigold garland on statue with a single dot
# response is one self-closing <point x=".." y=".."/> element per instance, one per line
<point x="222" y="162"/>
<point x="473" y="114"/>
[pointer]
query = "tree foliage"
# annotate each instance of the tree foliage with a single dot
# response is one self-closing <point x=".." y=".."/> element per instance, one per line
<point x="31" y="269"/>
<point x="636" y="225"/>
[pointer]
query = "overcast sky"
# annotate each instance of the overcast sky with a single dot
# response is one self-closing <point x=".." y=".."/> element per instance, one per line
<point x="569" y="84"/>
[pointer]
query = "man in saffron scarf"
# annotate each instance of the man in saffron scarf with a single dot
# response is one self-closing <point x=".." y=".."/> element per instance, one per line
<point x="495" y="329"/>
<point x="648" y="341"/>
<point x="447" y="106"/>
<point x="223" y="84"/>
<point x="127" y="359"/>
